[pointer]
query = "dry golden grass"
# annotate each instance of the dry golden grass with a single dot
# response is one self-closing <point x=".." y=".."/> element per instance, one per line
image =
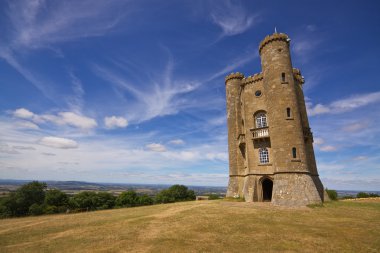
<point x="205" y="226"/>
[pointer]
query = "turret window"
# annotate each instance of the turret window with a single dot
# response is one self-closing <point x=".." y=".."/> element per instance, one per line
<point x="261" y="120"/>
<point x="294" y="151"/>
<point x="283" y="79"/>
<point x="263" y="155"/>
<point x="288" y="112"/>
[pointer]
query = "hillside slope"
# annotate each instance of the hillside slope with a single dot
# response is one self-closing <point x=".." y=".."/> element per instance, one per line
<point x="205" y="226"/>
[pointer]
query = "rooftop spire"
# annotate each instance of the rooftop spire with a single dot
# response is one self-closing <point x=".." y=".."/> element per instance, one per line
<point x="275" y="30"/>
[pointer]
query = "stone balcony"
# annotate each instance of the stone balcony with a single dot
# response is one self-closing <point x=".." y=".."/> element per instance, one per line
<point x="260" y="133"/>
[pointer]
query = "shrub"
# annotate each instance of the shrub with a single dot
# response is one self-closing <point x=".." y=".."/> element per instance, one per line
<point x="145" y="200"/>
<point x="128" y="199"/>
<point x="213" y="196"/>
<point x="56" y="197"/>
<point x="50" y="209"/>
<point x="36" y="209"/>
<point x="175" y="193"/>
<point x="164" y="196"/>
<point x="84" y="200"/>
<point x="333" y="195"/>
<point x="20" y="202"/>
<point x="105" y="200"/>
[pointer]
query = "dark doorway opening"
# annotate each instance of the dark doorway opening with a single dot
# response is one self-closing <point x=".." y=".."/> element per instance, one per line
<point x="267" y="189"/>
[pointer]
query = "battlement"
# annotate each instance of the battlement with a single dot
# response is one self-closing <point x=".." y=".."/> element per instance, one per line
<point x="253" y="79"/>
<point x="274" y="37"/>
<point x="297" y="76"/>
<point x="236" y="75"/>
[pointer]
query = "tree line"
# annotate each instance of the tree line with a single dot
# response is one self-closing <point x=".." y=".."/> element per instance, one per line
<point x="35" y="199"/>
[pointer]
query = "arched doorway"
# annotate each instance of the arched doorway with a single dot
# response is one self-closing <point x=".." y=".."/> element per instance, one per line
<point x="267" y="189"/>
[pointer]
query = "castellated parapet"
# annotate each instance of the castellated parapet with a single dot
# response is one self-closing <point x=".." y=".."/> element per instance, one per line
<point x="270" y="143"/>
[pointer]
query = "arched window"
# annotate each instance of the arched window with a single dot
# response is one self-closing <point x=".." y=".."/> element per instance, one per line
<point x="288" y="112"/>
<point x="264" y="155"/>
<point x="261" y="120"/>
<point x="294" y="151"/>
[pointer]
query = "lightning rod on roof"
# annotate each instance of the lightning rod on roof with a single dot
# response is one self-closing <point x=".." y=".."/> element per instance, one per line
<point x="275" y="30"/>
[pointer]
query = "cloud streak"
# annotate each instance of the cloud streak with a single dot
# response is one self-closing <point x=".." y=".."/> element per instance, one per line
<point x="115" y="122"/>
<point x="58" y="142"/>
<point x="155" y="98"/>
<point x="62" y="118"/>
<point x="232" y="18"/>
<point x="43" y="24"/>
<point x="344" y="105"/>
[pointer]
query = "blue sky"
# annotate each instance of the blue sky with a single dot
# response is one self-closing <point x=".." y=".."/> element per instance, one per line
<point x="133" y="91"/>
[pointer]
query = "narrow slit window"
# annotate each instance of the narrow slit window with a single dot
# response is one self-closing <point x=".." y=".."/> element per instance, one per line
<point x="288" y="112"/>
<point x="283" y="77"/>
<point x="294" y="151"/>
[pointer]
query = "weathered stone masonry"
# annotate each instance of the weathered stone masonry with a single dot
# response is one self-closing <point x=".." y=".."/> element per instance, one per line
<point x="271" y="156"/>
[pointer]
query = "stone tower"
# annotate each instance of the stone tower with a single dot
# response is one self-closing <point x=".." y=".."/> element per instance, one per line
<point x="271" y="156"/>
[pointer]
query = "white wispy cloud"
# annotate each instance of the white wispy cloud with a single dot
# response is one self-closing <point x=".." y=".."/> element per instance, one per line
<point x="26" y="125"/>
<point x="62" y="118"/>
<point x="159" y="97"/>
<point x="76" y="120"/>
<point x="58" y="142"/>
<point x="328" y="148"/>
<point x="75" y="101"/>
<point x="7" y="149"/>
<point x="344" y="105"/>
<point x="232" y="17"/>
<point x="177" y="142"/>
<point x="356" y="126"/>
<point x="115" y="122"/>
<point x="156" y="147"/>
<point x="318" y="141"/>
<point x="23" y="113"/>
<point x="40" y="24"/>
<point x="24" y="147"/>
<point x="233" y="65"/>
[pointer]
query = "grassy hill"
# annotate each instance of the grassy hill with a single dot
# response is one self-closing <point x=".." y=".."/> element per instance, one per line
<point x="204" y="226"/>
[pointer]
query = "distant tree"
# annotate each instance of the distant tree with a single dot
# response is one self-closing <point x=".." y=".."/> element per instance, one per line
<point x="362" y="195"/>
<point x="145" y="199"/>
<point x="84" y="200"/>
<point x="53" y="209"/>
<point x="56" y="198"/>
<point x="164" y="197"/>
<point x="374" y="195"/>
<point x="105" y="200"/>
<point x="36" y="209"/>
<point x="333" y="195"/>
<point x="8" y="206"/>
<point x="19" y="202"/>
<point x="175" y="193"/>
<point x="127" y="198"/>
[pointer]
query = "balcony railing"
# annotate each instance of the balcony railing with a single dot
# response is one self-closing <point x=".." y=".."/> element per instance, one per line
<point x="260" y="133"/>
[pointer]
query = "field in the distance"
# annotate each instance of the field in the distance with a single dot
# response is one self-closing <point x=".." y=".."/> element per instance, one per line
<point x="204" y="226"/>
